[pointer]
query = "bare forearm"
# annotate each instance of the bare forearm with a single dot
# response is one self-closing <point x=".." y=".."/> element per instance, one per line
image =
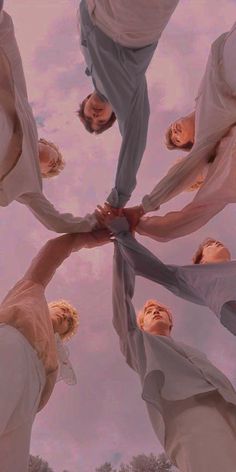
<point x="56" y="250"/>
<point x="179" y="223"/>
<point x="52" y="255"/>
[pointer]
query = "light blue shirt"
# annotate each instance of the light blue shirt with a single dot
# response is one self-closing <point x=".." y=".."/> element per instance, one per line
<point x="168" y="370"/>
<point x="118" y="73"/>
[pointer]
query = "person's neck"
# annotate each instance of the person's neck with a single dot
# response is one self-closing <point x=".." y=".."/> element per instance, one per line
<point x="162" y="331"/>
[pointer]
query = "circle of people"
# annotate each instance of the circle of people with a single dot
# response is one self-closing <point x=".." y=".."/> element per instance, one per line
<point x="191" y="403"/>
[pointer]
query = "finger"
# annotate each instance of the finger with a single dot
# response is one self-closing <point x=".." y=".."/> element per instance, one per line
<point x="101" y="209"/>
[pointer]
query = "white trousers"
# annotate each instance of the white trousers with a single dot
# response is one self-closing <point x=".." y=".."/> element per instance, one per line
<point x="22" y="378"/>
<point x="229" y="59"/>
<point x="201" y="434"/>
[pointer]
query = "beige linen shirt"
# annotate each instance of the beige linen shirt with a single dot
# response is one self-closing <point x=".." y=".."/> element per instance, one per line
<point x="26" y="309"/>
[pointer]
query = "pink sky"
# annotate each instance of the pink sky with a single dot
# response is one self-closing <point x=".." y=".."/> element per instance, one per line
<point x="103" y="418"/>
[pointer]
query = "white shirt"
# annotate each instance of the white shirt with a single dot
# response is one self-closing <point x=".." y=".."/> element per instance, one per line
<point x="133" y="24"/>
<point x="217" y="190"/>
<point x="215" y="114"/>
<point x="24" y="182"/>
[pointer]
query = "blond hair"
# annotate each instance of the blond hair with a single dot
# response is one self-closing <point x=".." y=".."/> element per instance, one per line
<point x="59" y="165"/>
<point x="70" y="310"/>
<point x="149" y="303"/>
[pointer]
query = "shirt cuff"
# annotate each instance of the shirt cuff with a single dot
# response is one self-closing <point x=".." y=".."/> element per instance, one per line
<point x="116" y="199"/>
<point x="149" y="205"/>
<point x="119" y="225"/>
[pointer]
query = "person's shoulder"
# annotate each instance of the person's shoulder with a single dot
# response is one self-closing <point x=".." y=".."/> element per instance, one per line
<point x="5" y="20"/>
<point x="24" y="289"/>
<point x="192" y="352"/>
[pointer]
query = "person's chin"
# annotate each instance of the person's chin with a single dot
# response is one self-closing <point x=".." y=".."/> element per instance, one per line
<point x="156" y="326"/>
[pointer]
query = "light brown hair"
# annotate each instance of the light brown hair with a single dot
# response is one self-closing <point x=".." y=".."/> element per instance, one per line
<point x="86" y="122"/>
<point x="197" y="257"/>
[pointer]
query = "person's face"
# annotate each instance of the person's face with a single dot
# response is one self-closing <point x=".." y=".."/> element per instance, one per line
<point x="156" y="320"/>
<point x="48" y="158"/>
<point x="182" y="131"/>
<point x="61" y="320"/>
<point x="97" y="111"/>
<point x="214" y="252"/>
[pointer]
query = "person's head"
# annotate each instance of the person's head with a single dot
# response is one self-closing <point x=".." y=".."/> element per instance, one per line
<point x="50" y="159"/>
<point x="211" y="251"/>
<point x="64" y="318"/>
<point x="180" y="134"/>
<point x="155" y="318"/>
<point x="96" y="114"/>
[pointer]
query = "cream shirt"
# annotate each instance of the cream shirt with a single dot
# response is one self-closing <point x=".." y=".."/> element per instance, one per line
<point x="22" y="181"/>
<point x="132" y="24"/>
<point x="215" y="115"/>
<point x="217" y="190"/>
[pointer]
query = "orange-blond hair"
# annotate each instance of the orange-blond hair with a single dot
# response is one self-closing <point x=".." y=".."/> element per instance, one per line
<point x="148" y="304"/>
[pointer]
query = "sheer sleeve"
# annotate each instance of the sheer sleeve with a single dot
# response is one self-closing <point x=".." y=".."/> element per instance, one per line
<point x="55" y="251"/>
<point x="178" y="178"/>
<point x="179" y="223"/>
<point x="217" y="190"/>
<point x="52" y="219"/>
<point x="65" y="371"/>
<point x="51" y="256"/>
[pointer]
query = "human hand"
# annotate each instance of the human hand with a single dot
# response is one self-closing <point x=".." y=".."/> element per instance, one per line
<point x="133" y="215"/>
<point x="97" y="238"/>
<point x="105" y="214"/>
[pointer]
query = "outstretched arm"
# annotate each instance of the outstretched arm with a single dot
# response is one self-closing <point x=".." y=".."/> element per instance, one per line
<point x="52" y="219"/>
<point x="179" y="177"/>
<point x="121" y="73"/>
<point x="134" y="129"/>
<point x="55" y="251"/>
<point x="124" y="317"/>
<point x="141" y="260"/>
<point x="179" y="223"/>
<point x="145" y="264"/>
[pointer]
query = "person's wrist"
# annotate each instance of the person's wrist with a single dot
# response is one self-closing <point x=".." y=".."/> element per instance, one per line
<point x="141" y="210"/>
<point x="114" y="210"/>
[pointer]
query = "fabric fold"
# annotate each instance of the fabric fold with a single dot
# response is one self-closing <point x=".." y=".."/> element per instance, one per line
<point x="168" y="370"/>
